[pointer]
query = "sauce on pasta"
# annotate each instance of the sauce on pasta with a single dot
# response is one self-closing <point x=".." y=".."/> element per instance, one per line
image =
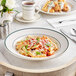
<point x="36" y="46"/>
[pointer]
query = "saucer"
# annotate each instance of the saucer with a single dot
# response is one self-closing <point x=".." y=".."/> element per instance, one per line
<point x="19" y="18"/>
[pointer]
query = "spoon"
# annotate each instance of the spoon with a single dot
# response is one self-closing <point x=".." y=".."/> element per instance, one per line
<point x="74" y="0"/>
<point x="73" y="32"/>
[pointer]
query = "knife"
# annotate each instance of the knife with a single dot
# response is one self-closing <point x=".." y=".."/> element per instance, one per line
<point x="66" y="21"/>
<point x="74" y="30"/>
<point x="66" y="34"/>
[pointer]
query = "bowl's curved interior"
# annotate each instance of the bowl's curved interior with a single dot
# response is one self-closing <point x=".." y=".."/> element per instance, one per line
<point x="60" y="39"/>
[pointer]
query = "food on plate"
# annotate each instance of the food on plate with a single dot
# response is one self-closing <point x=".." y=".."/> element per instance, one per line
<point x="36" y="46"/>
<point x="52" y="6"/>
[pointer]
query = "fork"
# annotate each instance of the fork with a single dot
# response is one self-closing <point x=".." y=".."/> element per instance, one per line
<point x="65" y="20"/>
<point x="74" y="30"/>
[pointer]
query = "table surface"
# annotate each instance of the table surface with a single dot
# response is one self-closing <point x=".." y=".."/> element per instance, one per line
<point x="62" y="61"/>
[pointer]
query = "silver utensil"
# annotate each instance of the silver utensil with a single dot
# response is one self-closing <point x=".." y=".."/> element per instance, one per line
<point x="73" y="32"/>
<point x="65" y="21"/>
<point x="4" y="29"/>
<point x="74" y="0"/>
<point x="65" y="33"/>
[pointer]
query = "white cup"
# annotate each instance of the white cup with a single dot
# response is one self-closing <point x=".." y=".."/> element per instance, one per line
<point x="28" y="10"/>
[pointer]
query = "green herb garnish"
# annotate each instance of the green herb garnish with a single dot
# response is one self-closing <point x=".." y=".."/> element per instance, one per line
<point x="37" y="42"/>
<point x="48" y="44"/>
<point x="38" y="53"/>
<point x="59" y="3"/>
<point x="22" y="46"/>
<point x="38" y="39"/>
<point x="25" y="49"/>
<point x="34" y="44"/>
<point x="26" y="46"/>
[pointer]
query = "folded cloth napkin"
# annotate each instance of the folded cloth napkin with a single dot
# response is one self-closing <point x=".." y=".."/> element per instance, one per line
<point x="69" y="35"/>
<point x="66" y="20"/>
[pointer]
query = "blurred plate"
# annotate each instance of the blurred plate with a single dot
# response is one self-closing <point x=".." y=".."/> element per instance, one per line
<point x="72" y="7"/>
<point x="19" y="18"/>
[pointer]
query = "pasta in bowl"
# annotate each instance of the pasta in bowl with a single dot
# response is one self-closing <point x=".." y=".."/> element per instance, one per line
<point x="36" y="46"/>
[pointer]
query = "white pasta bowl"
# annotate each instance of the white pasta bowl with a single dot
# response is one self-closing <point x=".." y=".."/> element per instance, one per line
<point x="14" y="37"/>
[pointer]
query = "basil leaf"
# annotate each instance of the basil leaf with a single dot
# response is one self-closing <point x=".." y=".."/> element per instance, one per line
<point x="37" y="42"/>
<point x="38" y="39"/>
<point x="25" y="49"/>
<point x="48" y="44"/>
<point x="34" y="44"/>
<point x="22" y="46"/>
<point x="38" y="53"/>
<point x="26" y="46"/>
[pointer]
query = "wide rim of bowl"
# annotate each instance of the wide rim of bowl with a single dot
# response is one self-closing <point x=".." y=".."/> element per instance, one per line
<point x="35" y="59"/>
